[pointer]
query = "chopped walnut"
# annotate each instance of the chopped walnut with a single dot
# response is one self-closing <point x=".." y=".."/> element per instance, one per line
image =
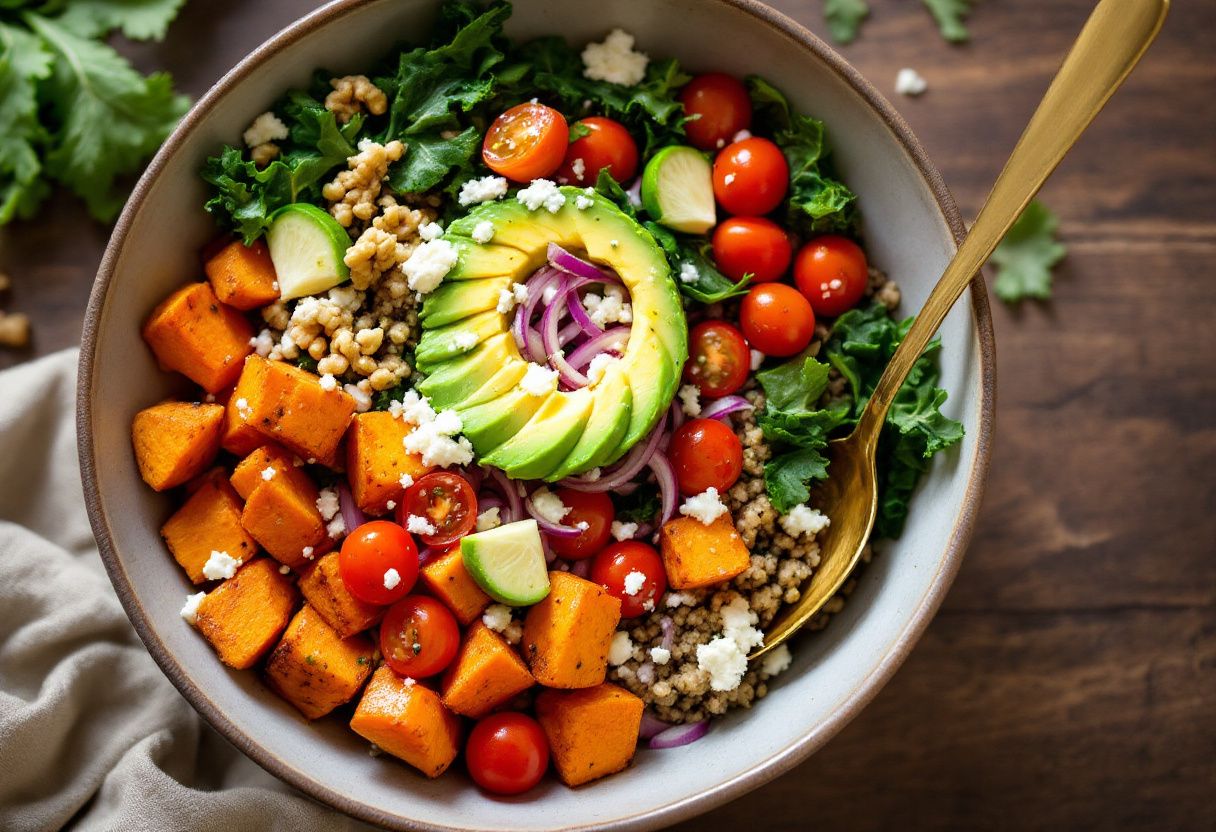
<point x="264" y="153"/>
<point x="353" y="192"/>
<point x="14" y="330"/>
<point x="352" y="93"/>
<point x="386" y="244"/>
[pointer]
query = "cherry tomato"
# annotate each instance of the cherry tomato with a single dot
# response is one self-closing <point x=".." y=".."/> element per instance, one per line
<point x="706" y="454"/>
<point x="594" y="509"/>
<point x="751" y="177"/>
<point x="718" y="358"/>
<point x="526" y="142"/>
<point x="608" y="145"/>
<point x="832" y="272"/>
<point x="752" y="245"/>
<point x="720" y="107"/>
<point x="444" y="500"/>
<point x="507" y="753"/>
<point x="613" y="566"/>
<point x="367" y="555"/>
<point x="418" y="636"/>
<point x="777" y="319"/>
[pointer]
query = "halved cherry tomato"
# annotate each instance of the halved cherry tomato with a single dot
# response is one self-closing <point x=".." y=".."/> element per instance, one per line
<point x="613" y="566"/>
<point x="720" y="107"/>
<point x="444" y="500"/>
<point x="752" y="245"/>
<point x="607" y="145"/>
<point x="718" y="358"/>
<point x="526" y="142"/>
<point x="367" y="555"/>
<point x="751" y="177"/>
<point x="593" y="508"/>
<point x="706" y="454"/>
<point x="507" y="753"/>
<point x="832" y="272"/>
<point x="777" y="319"/>
<point x="418" y="636"/>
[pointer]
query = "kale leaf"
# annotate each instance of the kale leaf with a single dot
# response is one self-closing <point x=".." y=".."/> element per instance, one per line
<point x="1025" y="257"/>
<point x="949" y="16"/>
<point x="642" y="506"/>
<point x="844" y="18"/>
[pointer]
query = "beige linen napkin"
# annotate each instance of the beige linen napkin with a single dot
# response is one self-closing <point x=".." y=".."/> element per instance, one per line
<point x="92" y="735"/>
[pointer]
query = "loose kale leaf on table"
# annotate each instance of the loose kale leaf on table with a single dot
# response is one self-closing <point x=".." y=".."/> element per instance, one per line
<point x="1025" y="257"/>
<point x="844" y="18"/>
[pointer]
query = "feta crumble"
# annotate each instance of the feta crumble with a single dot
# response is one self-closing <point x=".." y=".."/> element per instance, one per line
<point x="688" y="273"/>
<point x="615" y="60"/>
<point x="742" y="135"/>
<point x="307" y="553"/>
<point x="489" y="519"/>
<point x="434" y="437"/>
<point x="660" y="655"/>
<point x="363" y="402"/>
<point x="910" y="82"/>
<point x="634" y="582"/>
<point x="610" y="308"/>
<point x="803" y="520"/>
<point x="675" y="599"/>
<point x="725" y="663"/>
<point x="406" y="480"/>
<point x="621" y="649"/>
<point x="538" y="380"/>
<point x="429" y="264"/>
<point x="220" y="566"/>
<point x="265" y="128"/>
<point x="578" y="167"/>
<point x="598" y="365"/>
<point x="497" y="617"/>
<point x="690" y="400"/>
<point x="542" y="193"/>
<point x="706" y="506"/>
<point x="777" y="661"/>
<point x="430" y="231"/>
<point x="582" y="203"/>
<point x="392" y="578"/>
<point x="328" y="383"/>
<point x="757" y="358"/>
<point x="262" y="344"/>
<point x="328" y="504"/>
<point x="624" y="531"/>
<point x="485" y="189"/>
<point x="190" y="610"/>
<point x="415" y="524"/>
<point x="483" y="232"/>
<point x="268" y="473"/>
<point x="465" y="341"/>
<point x="738" y="619"/>
<point x="549" y="506"/>
<point x="336" y="527"/>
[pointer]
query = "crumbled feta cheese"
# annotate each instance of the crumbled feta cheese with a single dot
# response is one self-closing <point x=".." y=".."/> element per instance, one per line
<point x="262" y="343"/>
<point x="741" y="136"/>
<point x="506" y="301"/>
<point x="497" y="617"/>
<point x="328" y="382"/>
<point x="328" y="504"/>
<point x="485" y="189"/>
<point x="611" y="308"/>
<point x="390" y="505"/>
<point x="265" y="128"/>
<point x="434" y="438"/>
<point x="724" y="662"/>
<point x="538" y="380"/>
<point x="406" y="480"/>
<point x="804" y="520"/>
<point x="549" y="294"/>
<point x="578" y="167"/>
<point x="243" y="408"/>
<point x="542" y="193"/>
<point x="593" y="475"/>
<point x="910" y="82"/>
<point x="220" y="566"/>
<point x="690" y="400"/>
<point x="634" y="582"/>
<point x="419" y="525"/>
<point x="465" y="341"/>
<point x="689" y="273"/>
<point x="660" y="655"/>
<point x="520" y="290"/>
<point x="776" y="661"/>
<point x="598" y="365"/>
<point x="624" y="531"/>
<point x="582" y="203"/>
<point x="391" y="578"/>
<point x="549" y="506"/>
<point x="737" y="620"/>
<point x="757" y="358"/>
<point x="307" y="553"/>
<point x="621" y="649"/>
<point x="430" y="231"/>
<point x="268" y="473"/>
<point x="615" y="60"/>
<point x="489" y="519"/>
<point x="675" y="599"/>
<point x="729" y="178"/>
<point x="336" y="527"/>
<point x="483" y="232"/>
<point x="429" y="264"/>
<point x="363" y="402"/>
<point x="413" y="408"/>
<point x="706" y="506"/>
<point x="190" y="610"/>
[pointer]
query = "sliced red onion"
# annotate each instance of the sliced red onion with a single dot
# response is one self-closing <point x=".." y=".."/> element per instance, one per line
<point x="634" y="192"/>
<point x="624" y="470"/>
<point x="643" y="530"/>
<point x="567" y="262"/>
<point x="581" y="355"/>
<point x="550" y="555"/>
<point x="487" y="500"/>
<point x="679" y="735"/>
<point x="426" y="554"/>
<point x="581" y="568"/>
<point x="666" y="476"/>
<point x="548" y="526"/>
<point x="579" y="315"/>
<point x="720" y="408"/>
<point x="553" y="347"/>
<point x="352" y="517"/>
<point x="669" y="632"/>
<point x="677" y="415"/>
<point x="651" y="725"/>
<point x="570" y="332"/>
<point x="521" y="328"/>
<point x="471" y="474"/>
<point x="515" y="506"/>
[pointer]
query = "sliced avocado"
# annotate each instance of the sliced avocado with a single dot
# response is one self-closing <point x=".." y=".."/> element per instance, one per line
<point x="453" y="301"/>
<point x="439" y="345"/>
<point x="547" y="438"/>
<point x="528" y="231"/>
<point x="605" y="427"/>
<point x="455" y="382"/>
<point x="489" y="424"/>
<point x="477" y="260"/>
<point x="499" y="384"/>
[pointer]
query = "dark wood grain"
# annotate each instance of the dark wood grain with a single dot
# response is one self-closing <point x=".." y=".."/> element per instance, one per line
<point x="1069" y="681"/>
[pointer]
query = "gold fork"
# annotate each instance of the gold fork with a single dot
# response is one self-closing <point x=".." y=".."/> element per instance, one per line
<point x="1112" y="42"/>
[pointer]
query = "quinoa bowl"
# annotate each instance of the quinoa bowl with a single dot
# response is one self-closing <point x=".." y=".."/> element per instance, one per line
<point x="910" y="227"/>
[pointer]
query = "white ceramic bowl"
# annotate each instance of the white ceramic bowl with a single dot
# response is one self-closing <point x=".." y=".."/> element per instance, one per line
<point x="911" y="226"/>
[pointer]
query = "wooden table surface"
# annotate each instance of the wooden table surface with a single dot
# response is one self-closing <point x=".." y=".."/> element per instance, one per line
<point x="1069" y="681"/>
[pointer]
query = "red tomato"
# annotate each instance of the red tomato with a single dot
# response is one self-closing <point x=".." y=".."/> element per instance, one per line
<point x="718" y="358"/>
<point x="832" y="272"/>
<point x="608" y="145"/>
<point x="706" y="454"/>
<point x="418" y="637"/>
<point x="594" y="509"/>
<point x="751" y="177"/>
<point x="612" y="567"/>
<point x="777" y="319"/>
<point x="720" y="107"/>
<point x="369" y="552"/>
<point x="444" y="500"/>
<point x="752" y="245"/>
<point x="526" y="142"/>
<point x="507" y="753"/>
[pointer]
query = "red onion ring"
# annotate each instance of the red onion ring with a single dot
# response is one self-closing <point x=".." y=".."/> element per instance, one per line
<point x="581" y="568"/>
<point x="623" y="471"/>
<point x="552" y="345"/>
<point x="651" y="726"/>
<point x="561" y="259"/>
<point x="720" y="408"/>
<point x="514" y="504"/>
<point x="548" y="526"/>
<point x="677" y="416"/>
<point x="679" y="735"/>
<point x="352" y="516"/>
<point x="579" y="314"/>
<point x="666" y="476"/>
<point x="581" y="355"/>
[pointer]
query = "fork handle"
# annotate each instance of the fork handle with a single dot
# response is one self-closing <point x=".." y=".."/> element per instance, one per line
<point x="1114" y="38"/>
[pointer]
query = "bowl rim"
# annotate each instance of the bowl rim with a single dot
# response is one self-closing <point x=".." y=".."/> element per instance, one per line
<point x="780" y="761"/>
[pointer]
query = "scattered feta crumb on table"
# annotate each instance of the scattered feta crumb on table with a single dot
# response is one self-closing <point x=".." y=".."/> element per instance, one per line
<point x="910" y="82"/>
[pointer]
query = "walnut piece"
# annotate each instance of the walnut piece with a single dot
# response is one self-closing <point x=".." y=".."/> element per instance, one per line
<point x="352" y="94"/>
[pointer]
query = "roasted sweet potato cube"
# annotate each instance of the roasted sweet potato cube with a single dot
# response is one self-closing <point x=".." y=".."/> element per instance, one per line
<point x="244" y="615"/>
<point x="567" y="635"/>
<point x="376" y="458"/>
<point x="241" y="436"/>
<point x="282" y="516"/>
<point x="290" y="406"/>
<point x="314" y="668"/>
<point x="243" y="276"/>
<point x="201" y="338"/>
<point x="265" y="463"/>
<point x="452" y="584"/>
<point x="175" y="441"/>
<point x="592" y="732"/>
<point x="324" y="589"/>
<point x="697" y="555"/>
<point x="408" y="721"/>
<point x="485" y="674"/>
<point x="209" y="521"/>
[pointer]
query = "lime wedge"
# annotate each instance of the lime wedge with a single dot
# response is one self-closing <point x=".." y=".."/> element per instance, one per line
<point x="307" y="247"/>
<point x="508" y="563"/>
<point x="678" y="190"/>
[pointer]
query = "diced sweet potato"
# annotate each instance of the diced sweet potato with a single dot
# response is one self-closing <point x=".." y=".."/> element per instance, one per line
<point x="408" y="721"/>
<point x="486" y="673"/>
<point x="290" y="406"/>
<point x="324" y="589"/>
<point x="209" y="521"/>
<point x="452" y="584"/>
<point x="592" y="732"/>
<point x="175" y="441"/>
<point x="282" y="516"/>
<point x="201" y="338"/>
<point x="376" y="459"/>
<point x="250" y="472"/>
<point x="240" y="436"/>
<point x="697" y="555"/>
<point x="244" y="615"/>
<point x="314" y="668"/>
<point x="243" y="276"/>
<point x="567" y="635"/>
